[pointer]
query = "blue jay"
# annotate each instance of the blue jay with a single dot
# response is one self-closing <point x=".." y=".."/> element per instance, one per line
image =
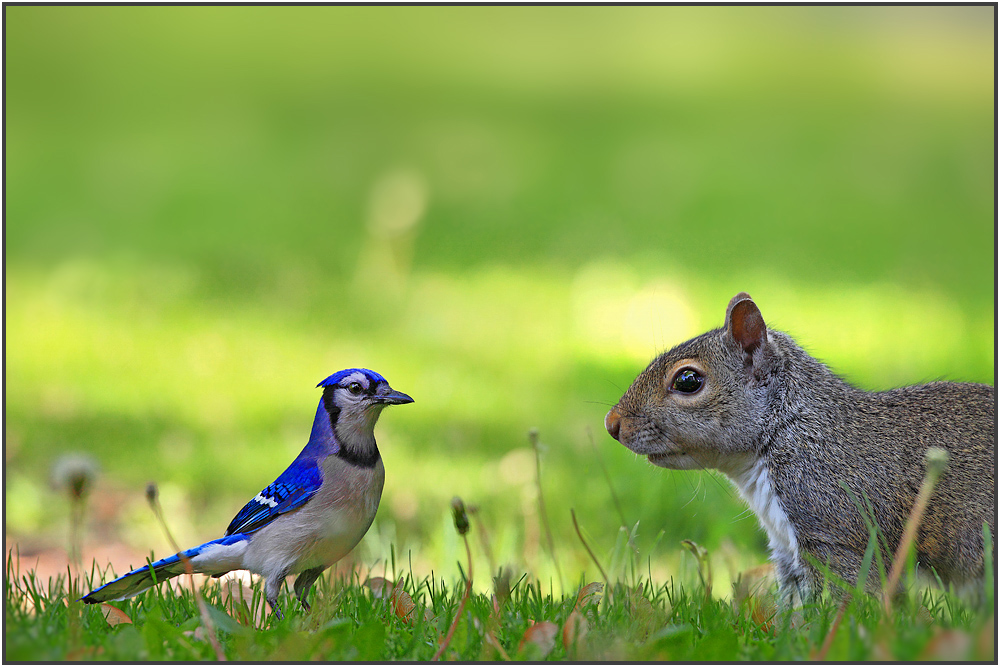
<point x="311" y="516"/>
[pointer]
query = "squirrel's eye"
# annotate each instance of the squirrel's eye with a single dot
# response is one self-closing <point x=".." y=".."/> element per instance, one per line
<point x="687" y="381"/>
<point x="355" y="388"/>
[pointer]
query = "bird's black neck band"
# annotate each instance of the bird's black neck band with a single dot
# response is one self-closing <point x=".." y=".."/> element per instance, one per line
<point x="362" y="459"/>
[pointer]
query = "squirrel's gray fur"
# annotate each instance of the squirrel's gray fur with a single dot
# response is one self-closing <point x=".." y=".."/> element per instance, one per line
<point x="791" y="434"/>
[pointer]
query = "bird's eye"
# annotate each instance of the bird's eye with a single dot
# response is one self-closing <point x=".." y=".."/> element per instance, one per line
<point x="688" y="381"/>
<point x="355" y="388"/>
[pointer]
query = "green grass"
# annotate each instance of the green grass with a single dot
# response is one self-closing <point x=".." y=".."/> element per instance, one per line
<point x="640" y="620"/>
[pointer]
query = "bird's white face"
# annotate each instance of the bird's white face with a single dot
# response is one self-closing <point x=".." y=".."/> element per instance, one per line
<point x="358" y="410"/>
<point x="360" y="400"/>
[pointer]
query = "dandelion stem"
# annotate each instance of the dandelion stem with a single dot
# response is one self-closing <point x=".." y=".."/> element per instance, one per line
<point x="543" y="515"/>
<point x="937" y="462"/>
<point x="462" y="525"/>
<point x="152" y="495"/>
<point x="586" y="546"/>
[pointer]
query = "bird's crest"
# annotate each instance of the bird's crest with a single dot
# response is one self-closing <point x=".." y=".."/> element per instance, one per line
<point x="336" y="378"/>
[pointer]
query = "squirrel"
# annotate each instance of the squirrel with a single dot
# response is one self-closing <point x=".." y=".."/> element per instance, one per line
<point x="791" y="435"/>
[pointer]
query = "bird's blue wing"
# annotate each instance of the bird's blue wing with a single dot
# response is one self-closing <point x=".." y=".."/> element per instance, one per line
<point x="289" y="492"/>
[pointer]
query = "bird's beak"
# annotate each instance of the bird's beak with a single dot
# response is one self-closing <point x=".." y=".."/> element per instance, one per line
<point x="394" y="398"/>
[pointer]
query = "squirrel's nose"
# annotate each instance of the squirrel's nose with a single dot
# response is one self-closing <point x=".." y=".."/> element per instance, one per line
<point x="613" y="422"/>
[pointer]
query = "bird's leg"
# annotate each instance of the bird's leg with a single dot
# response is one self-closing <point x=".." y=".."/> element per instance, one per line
<point x="304" y="582"/>
<point x="271" y="594"/>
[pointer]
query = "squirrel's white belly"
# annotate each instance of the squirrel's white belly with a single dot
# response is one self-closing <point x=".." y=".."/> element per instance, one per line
<point x="754" y="484"/>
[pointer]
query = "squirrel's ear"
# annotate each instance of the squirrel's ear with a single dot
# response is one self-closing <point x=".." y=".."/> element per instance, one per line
<point x="745" y="323"/>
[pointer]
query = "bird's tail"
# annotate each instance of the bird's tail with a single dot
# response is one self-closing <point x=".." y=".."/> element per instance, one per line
<point x="203" y="559"/>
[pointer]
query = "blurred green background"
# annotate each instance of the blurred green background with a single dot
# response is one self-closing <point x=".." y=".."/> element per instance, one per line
<point x="507" y="211"/>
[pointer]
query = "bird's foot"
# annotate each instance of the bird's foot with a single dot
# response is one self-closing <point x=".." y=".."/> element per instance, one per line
<point x="304" y="582"/>
<point x="276" y="609"/>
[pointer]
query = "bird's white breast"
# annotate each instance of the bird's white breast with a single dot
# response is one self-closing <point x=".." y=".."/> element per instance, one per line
<point x="326" y="528"/>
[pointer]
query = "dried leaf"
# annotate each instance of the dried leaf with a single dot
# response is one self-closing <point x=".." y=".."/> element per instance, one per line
<point x="381" y="587"/>
<point x="236" y="598"/>
<point x="750" y="582"/>
<point x="575" y="629"/>
<point x="924" y="615"/>
<point x="490" y="640"/>
<point x="114" y="615"/>
<point x="753" y="592"/>
<point x="241" y="612"/>
<point x="642" y="612"/>
<point x="196" y="634"/>
<point x="948" y="646"/>
<point x="762" y="610"/>
<point x="402" y="604"/>
<point x="542" y="636"/>
<point x="986" y="642"/>
<point x="501" y="587"/>
<point x="589" y="594"/>
<point x="881" y="652"/>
